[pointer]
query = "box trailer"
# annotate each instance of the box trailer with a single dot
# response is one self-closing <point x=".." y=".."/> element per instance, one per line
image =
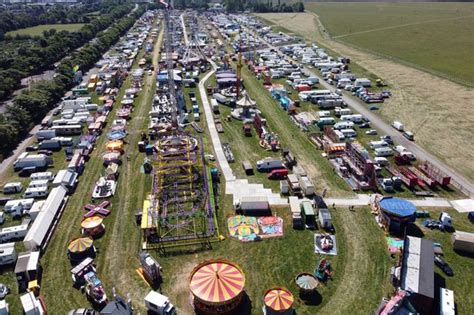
<point x="12" y="188"/>
<point x="307" y="186"/>
<point x="45" y="134"/>
<point x="33" y="160"/>
<point x="324" y="217"/>
<point x="269" y="164"/>
<point x="36" y="192"/>
<point x="446" y="302"/>
<point x="256" y="205"/>
<point x="51" y="144"/>
<point x="307" y="211"/>
<point x="11" y="233"/>
<point x="159" y="304"/>
<point x="463" y="241"/>
<point x="42" y="175"/>
<point x="385" y="151"/>
<point x="8" y="254"/>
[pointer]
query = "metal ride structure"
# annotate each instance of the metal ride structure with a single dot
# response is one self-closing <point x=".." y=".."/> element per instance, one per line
<point x="178" y="211"/>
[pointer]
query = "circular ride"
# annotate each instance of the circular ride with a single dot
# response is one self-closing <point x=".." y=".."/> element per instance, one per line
<point x="306" y="282"/>
<point x="217" y="287"/>
<point x="92" y="226"/>
<point x="396" y="213"/>
<point x="278" y="301"/>
<point x="80" y="248"/>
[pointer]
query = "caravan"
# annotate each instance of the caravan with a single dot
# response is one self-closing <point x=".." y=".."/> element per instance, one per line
<point x="384" y="151"/>
<point x="36" y="192"/>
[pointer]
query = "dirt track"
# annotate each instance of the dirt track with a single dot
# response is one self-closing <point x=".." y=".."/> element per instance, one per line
<point x="445" y="132"/>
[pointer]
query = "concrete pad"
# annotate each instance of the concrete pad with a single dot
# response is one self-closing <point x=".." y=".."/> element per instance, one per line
<point x="463" y="205"/>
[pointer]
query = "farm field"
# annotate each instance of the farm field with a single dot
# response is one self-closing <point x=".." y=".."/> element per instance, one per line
<point x="38" y="30"/>
<point x="440" y="33"/>
<point x="426" y="109"/>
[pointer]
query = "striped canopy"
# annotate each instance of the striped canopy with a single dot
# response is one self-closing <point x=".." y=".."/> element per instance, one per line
<point x="115" y="145"/>
<point x="217" y="281"/>
<point x="278" y="299"/>
<point x="91" y="222"/>
<point x="80" y="245"/>
<point x="306" y="281"/>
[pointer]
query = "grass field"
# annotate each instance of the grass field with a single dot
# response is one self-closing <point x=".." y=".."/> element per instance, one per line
<point x="38" y="30"/>
<point x="440" y="34"/>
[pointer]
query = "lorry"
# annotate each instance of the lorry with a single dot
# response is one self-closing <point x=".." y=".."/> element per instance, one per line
<point x="294" y="185"/>
<point x="252" y="205"/>
<point x="34" y="160"/>
<point x="159" y="304"/>
<point x="269" y="164"/>
<point x="51" y="144"/>
<point x="45" y="134"/>
<point x="307" y="187"/>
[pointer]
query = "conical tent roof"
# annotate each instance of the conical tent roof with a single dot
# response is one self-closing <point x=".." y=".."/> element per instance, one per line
<point x="217" y="281"/>
<point x="306" y="281"/>
<point x="278" y="299"/>
<point x="80" y="245"/>
<point x="246" y="101"/>
<point x="91" y="222"/>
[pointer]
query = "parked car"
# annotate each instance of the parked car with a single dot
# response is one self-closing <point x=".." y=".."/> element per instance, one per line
<point x="443" y="266"/>
<point x="364" y="125"/>
<point x="387" y="139"/>
<point x="32" y="148"/>
<point x="371" y="132"/>
<point x="408" y="135"/>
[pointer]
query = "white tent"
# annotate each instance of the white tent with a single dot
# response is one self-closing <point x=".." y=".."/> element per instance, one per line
<point x="37" y="234"/>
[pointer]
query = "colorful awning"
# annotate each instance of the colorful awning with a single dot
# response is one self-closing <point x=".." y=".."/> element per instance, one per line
<point x="217" y="281"/>
<point x="80" y="245"/>
<point x="278" y="299"/>
<point x="92" y="222"/>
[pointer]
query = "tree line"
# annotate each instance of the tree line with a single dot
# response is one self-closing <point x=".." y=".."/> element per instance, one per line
<point x="36" y="54"/>
<point x="33" y="104"/>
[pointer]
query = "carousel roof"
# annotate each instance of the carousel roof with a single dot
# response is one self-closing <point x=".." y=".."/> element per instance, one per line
<point x="306" y="281"/>
<point x="246" y="101"/>
<point x="114" y="145"/>
<point x="278" y="299"/>
<point x="91" y="222"/>
<point x="217" y="281"/>
<point x="80" y="245"/>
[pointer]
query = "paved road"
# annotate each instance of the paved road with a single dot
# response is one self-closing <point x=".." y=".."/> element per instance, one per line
<point x="385" y="128"/>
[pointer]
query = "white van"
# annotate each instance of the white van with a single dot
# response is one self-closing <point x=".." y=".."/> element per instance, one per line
<point x="398" y="125"/>
<point x="384" y="151"/>
<point x="37" y="192"/>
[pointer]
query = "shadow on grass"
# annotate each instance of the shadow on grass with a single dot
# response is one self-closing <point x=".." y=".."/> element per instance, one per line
<point x="311" y="298"/>
<point x="414" y="230"/>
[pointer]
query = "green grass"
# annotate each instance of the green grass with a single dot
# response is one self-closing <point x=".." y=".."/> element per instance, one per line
<point x="440" y="34"/>
<point x="39" y="29"/>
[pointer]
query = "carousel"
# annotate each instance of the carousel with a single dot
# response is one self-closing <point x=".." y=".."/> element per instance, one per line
<point x="245" y="108"/>
<point x="217" y="287"/>
<point x="115" y="146"/>
<point x="92" y="226"/>
<point x="306" y="282"/>
<point x="278" y="301"/>
<point x="80" y="248"/>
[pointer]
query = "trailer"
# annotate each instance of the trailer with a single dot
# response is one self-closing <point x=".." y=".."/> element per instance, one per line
<point x="429" y="181"/>
<point x="8" y="254"/>
<point x="17" y="232"/>
<point x="435" y="173"/>
<point x="408" y="181"/>
<point x="33" y="160"/>
<point x="12" y="188"/>
<point x="51" y="144"/>
<point x="257" y="205"/>
<point x="45" y="134"/>
<point x="412" y="176"/>
<point x="307" y="186"/>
